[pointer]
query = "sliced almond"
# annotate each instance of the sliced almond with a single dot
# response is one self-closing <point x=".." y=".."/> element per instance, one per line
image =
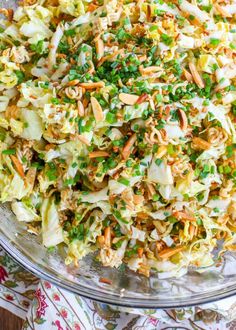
<point x="92" y="85"/>
<point x="97" y="109"/>
<point x="95" y="154"/>
<point x="183" y="120"/>
<point x="99" y="45"/>
<point x="129" y="99"/>
<point x="167" y="253"/>
<point x="83" y="139"/>
<point x="187" y="75"/>
<point x="199" y="143"/>
<point x="80" y="108"/>
<point x="18" y="166"/>
<point x="129" y="144"/>
<point x="196" y="76"/>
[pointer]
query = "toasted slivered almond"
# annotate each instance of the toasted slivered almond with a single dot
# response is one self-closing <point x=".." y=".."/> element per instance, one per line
<point x="83" y="139"/>
<point x="221" y="10"/>
<point x="80" y="108"/>
<point x="107" y="236"/>
<point x="129" y="99"/>
<point x="99" y="45"/>
<point x="199" y="143"/>
<point x="149" y="69"/>
<point x="183" y="119"/>
<point x="8" y="13"/>
<point x="183" y="216"/>
<point x="97" y="109"/>
<point x="92" y="85"/>
<point x="187" y="75"/>
<point x="128" y="146"/>
<point x="18" y="166"/>
<point x="196" y="76"/>
<point x="95" y="154"/>
<point x="169" y="252"/>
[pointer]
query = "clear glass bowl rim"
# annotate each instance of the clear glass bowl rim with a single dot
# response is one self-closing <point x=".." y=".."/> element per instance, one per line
<point x="115" y="300"/>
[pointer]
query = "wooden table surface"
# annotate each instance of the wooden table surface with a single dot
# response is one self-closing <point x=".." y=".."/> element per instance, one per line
<point x="9" y="321"/>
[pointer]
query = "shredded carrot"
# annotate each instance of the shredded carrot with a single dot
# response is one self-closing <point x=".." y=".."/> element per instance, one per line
<point x="105" y="280"/>
<point x="142" y="98"/>
<point x="95" y="154"/>
<point x="169" y="252"/>
<point x="101" y="240"/>
<point x="18" y="166"/>
<point x="129" y="144"/>
<point x="140" y="252"/>
<point x="107" y="236"/>
<point x="181" y="215"/>
<point x="92" y="7"/>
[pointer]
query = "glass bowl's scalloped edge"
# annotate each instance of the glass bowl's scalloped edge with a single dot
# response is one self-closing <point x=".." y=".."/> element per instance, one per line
<point x="107" y="298"/>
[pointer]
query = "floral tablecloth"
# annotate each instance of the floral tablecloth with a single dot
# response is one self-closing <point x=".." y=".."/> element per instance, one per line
<point x="46" y="307"/>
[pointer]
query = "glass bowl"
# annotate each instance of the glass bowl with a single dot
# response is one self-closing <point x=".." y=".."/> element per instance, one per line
<point x="126" y="288"/>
